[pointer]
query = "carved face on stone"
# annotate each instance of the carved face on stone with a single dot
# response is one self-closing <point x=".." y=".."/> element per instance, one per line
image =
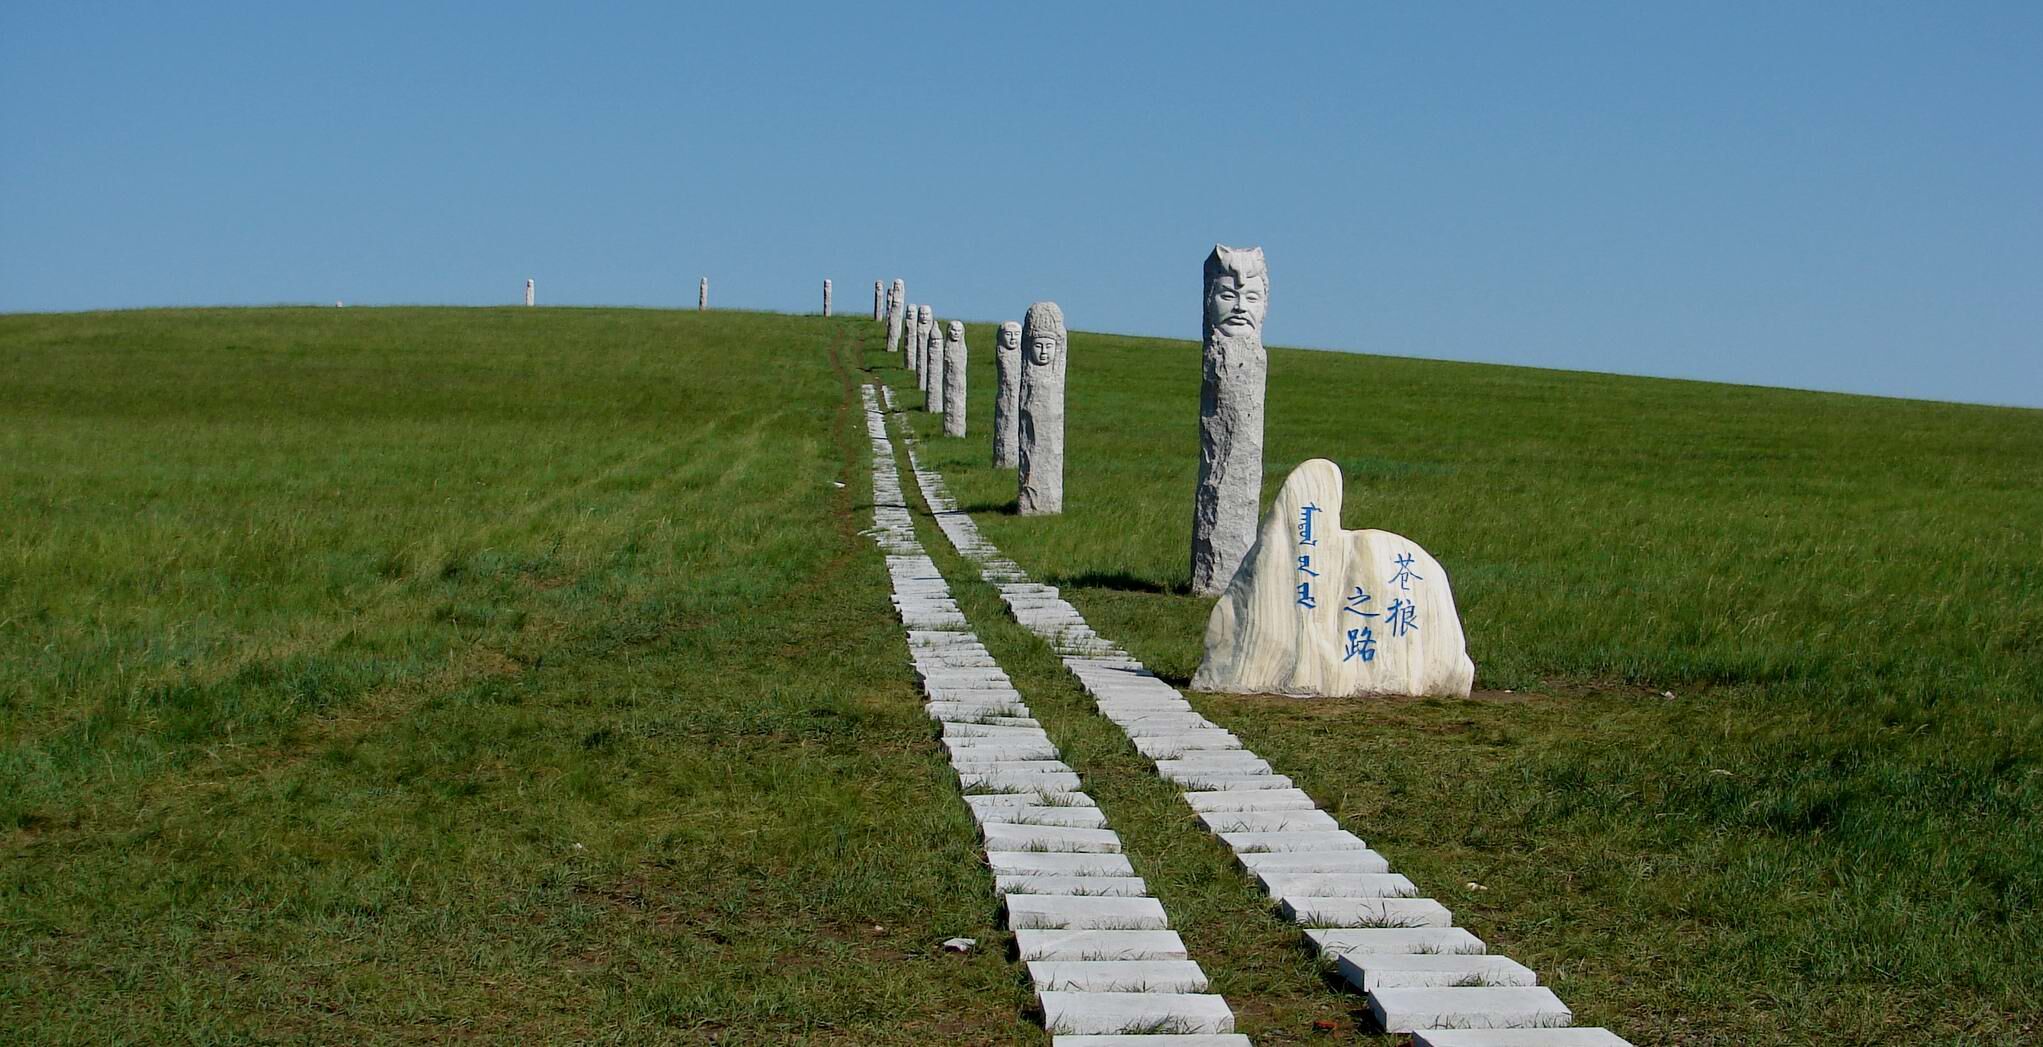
<point x="1237" y="290"/>
<point x="1043" y="349"/>
<point x="923" y="315"/>
<point x="1010" y="336"/>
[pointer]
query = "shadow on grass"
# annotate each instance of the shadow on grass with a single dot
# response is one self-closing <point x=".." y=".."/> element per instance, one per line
<point x="1010" y="507"/>
<point x="1123" y="581"/>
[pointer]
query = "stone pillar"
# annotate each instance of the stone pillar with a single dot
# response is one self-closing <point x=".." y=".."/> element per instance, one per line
<point x="1224" y="508"/>
<point x="1041" y="429"/>
<point x="932" y="369"/>
<point x="897" y="299"/>
<point x="954" y="380"/>
<point x="702" y="296"/>
<point x="877" y="314"/>
<point x="1007" y="362"/>
<point x="924" y="321"/>
<point x="909" y="355"/>
<point x="826" y="298"/>
<point x="528" y="292"/>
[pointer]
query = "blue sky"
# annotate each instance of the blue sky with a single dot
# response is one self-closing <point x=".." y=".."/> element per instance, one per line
<point x="1843" y="196"/>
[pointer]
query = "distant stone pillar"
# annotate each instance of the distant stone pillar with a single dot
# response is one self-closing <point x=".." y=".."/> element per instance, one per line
<point x="1007" y="363"/>
<point x="702" y="296"/>
<point x="826" y="298"/>
<point x="1225" y="506"/>
<point x="910" y="356"/>
<point x="924" y="321"/>
<point x="933" y="363"/>
<point x="1045" y="348"/>
<point x="877" y="315"/>
<point x="528" y="292"/>
<point x="897" y="300"/>
<point x="954" y="380"/>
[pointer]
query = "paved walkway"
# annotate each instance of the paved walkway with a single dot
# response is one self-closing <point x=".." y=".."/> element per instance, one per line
<point x="1107" y="968"/>
<point x="1420" y="972"/>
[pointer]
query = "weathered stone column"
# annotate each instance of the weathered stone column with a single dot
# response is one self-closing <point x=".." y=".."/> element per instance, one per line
<point x="897" y="300"/>
<point x="954" y="380"/>
<point x="702" y="296"/>
<point x="1224" y="508"/>
<point x="932" y="370"/>
<point x="924" y="321"/>
<point x="1007" y="362"/>
<point x="911" y="356"/>
<point x="1041" y="428"/>
<point x="877" y="314"/>
<point x="528" y="292"/>
<point x="826" y="298"/>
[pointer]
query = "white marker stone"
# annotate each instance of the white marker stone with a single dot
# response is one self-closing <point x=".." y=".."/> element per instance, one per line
<point x="1500" y="1038"/>
<point x="702" y="295"/>
<point x="953" y="373"/>
<point x="1072" y="886"/>
<point x="1097" y="1013"/>
<point x="1518" y="1007"/>
<point x="1039" y="814"/>
<point x="1362" y="861"/>
<point x="1336" y="885"/>
<point x="1045" y="348"/>
<point x="528" y="292"/>
<point x="1050" y="839"/>
<point x="1370" y="971"/>
<point x="1277" y="843"/>
<point x="1317" y="610"/>
<point x="1440" y="940"/>
<point x="897" y="300"/>
<point x="1084" y="913"/>
<point x="1099" y="945"/>
<point x="1366" y="912"/>
<point x="1007" y="362"/>
<point x="1026" y="863"/>
<point x="1267" y="821"/>
<point x="1230" y="416"/>
<point x="1264" y="800"/>
<point x="826" y="298"/>
<point x="1117" y="976"/>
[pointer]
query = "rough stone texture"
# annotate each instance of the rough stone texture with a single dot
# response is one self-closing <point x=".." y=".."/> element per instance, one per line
<point x="826" y="298"/>
<point x="1098" y="945"/>
<point x="1100" y="1013"/>
<point x="1045" y="350"/>
<point x="878" y="312"/>
<point x="1007" y="361"/>
<point x="1366" y="912"/>
<point x="1054" y="839"/>
<point x="1516" y="1007"/>
<point x="702" y="295"/>
<point x="1117" y="976"/>
<point x="1036" y="863"/>
<point x="1237" y="297"/>
<point x="1370" y="971"/>
<point x="954" y="380"/>
<point x="1074" y="886"/>
<point x="933" y="365"/>
<point x="1319" y="611"/>
<point x="897" y="299"/>
<point x="1431" y="940"/>
<point x="1084" y="913"/>
<point x="1362" y="861"/>
<point x="1509" y="1038"/>
<point x="924" y="320"/>
<point x="528" y="292"/>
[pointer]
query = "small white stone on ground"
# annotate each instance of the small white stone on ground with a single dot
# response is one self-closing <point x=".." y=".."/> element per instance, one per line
<point x="959" y="944"/>
<point x="1098" y="1013"/>
<point x="1370" y="971"/>
<point x="1516" y="1007"/>
<point x="1085" y="912"/>
<point x="1117" y="976"/>
<point x="1099" y="945"/>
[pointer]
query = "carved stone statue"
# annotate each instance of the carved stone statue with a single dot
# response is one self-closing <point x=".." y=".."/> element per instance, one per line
<point x="932" y="370"/>
<point x="878" y="315"/>
<point x="826" y="298"/>
<point x="1007" y="362"/>
<point x="954" y="380"/>
<point x="702" y="296"/>
<point x="910" y="341"/>
<point x="1230" y="416"/>
<point x="925" y="321"/>
<point x="1045" y="348"/>
<point x="897" y="299"/>
<point x="528" y="292"/>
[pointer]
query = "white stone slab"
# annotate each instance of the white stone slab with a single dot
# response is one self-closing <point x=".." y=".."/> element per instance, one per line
<point x="1395" y="939"/>
<point x="1363" y="861"/>
<point x="988" y="801"/>
<point x="970" y="752"/>
<point x="1008" y="836"/>
<point x="1514" y="1038"/>
<point x="1370" y="971"/>
<point x="1227" y="781"/>
<point x="1256" y="800"/>
<point x="1336" y="885"/>
<point x="1117" y="976"/>
<point x="1155" y="724"/>
<point x="1100" y="1013"/>
<point x="1098" y="945"/>
<point x="1076" y="886"/>
<point x="1267" y="821"/>
<point x="973" y="712"/>
<point x="1517" y="1007"/>
<point x="1184" y="743"/>
<point x="1025" y="863"/>
<point x="1038" y="814"/>
<point x="1365" y="912"/>
<point x="996" y="764"/>
<point x="1269" y="843"/>
<point x="1084" y="913"/>
<point x="1017" y="782"/>
<point x="1224" y="1039"/>
<point x="1030" y="732"/>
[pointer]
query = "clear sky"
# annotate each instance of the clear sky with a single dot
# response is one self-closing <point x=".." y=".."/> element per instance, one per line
<point x="1834" y="196"/>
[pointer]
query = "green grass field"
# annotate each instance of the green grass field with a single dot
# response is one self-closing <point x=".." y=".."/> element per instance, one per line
<point x="403" y="674"/>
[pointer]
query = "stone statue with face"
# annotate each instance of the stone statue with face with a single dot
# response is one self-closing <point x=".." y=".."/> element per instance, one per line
<point x="1007" y="362"/>
<point x="1224" y="507"/>
<point x="897" y="298"/>
<point x="1041" y="428"/>
<point x="954" y="380"/>
<point x="932" y="370"/>
<point x="925" y="319"/>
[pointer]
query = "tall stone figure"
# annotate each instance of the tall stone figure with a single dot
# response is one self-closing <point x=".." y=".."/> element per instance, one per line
<point x="528" y="291"/>
<point x="826" y="298"/>
<point x="908" y="350"/>
<point x="925" y="321"/>
<point x="1007" y="362"/>
<point x="932" y="369"/>
<point x="897" y="299"/>
<point x="954" y="380"/>
<point x="877" y="314"/>
<point x="1041" y="429"/>
<point x="702" y="296"/>
<point x="1224" y="509"/>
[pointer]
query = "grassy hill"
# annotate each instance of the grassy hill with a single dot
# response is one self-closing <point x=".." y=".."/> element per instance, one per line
<point x="421" y="673"/>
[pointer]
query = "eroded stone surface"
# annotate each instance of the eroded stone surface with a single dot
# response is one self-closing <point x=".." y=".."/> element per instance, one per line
<point x="933" y="361"/>
<point x="897" y="301"/>
<point x="954" y="380"/>
<point x="878" y="312"/>
<point x="702" y="295"/>
<point x="1230" y="415"/>
<point x="1007" y="363"/>
<point x="1317" y="610"/>
<point x="924" y="320"/>
<point x="528" y="292"/>
<point x="1045" y="350"/>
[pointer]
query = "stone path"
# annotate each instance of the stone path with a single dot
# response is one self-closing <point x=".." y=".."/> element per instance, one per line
<point x="1107" y="968"/>
<point x="1419" y="971"/>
